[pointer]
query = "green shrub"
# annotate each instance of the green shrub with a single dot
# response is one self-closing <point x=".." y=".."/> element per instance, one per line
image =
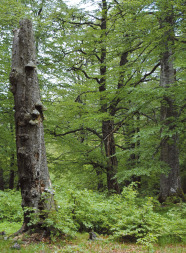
<point x="176" y="223"/>
<point x="10" y="208"/>
<point x="125" y="216"/>
<point x="60" y="222"/>
<point x="137" y="219"/>
<point x="87" y="210"/>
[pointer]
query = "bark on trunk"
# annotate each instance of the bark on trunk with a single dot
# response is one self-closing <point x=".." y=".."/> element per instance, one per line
<point x="112" y="163"/>
<point x="99" y="173"/>
<point x="33" y="172"/>
<point x="170" y="184"/>
<point x="107" y="125"/>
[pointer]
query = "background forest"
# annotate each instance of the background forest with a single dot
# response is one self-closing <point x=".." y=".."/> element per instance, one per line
<point x="113" y="80"/>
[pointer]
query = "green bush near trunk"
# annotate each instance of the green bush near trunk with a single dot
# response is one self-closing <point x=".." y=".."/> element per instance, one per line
<point x="10" y="206"/>
<point x="125" y="217"/>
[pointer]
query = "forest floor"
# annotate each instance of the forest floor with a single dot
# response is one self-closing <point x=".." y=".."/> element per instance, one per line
<point x="80" y="244"/>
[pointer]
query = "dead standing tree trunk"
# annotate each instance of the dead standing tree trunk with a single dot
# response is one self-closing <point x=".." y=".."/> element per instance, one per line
<point x="31" y="156"/>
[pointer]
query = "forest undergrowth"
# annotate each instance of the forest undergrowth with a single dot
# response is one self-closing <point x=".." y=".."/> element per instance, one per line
<point x="123" y="223"/>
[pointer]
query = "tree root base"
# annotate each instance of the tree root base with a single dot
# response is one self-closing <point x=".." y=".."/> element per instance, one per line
<point x="36" y="234"/>
<point x="174" y="198"/>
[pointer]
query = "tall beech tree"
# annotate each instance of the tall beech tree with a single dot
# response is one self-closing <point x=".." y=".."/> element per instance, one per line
<point x="170" y="184"/>
<point x="106" y="61"/>
<point x="107" y="125"/>
<point x="34" y="180"/>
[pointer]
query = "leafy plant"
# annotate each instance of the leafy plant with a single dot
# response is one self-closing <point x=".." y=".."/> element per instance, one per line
<point x="10" y="208"/>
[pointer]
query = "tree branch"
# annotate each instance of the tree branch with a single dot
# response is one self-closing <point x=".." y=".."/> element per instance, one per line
<point x="146" y="75"/>
<point x="85" y="74"/>
<point x="83" y="52"/>
<point x="74" y="131"/>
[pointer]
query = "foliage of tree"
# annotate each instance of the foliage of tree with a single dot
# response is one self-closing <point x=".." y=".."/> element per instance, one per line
<point x="10" y="14"/>
<point x="108" y="80"/>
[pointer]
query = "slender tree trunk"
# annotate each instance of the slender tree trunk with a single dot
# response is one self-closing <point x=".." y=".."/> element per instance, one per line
<point x="170" y="184"/>
<point x="107" y="125"/>
<point x="33" y="172"/>
<point x="99" y="173"/>
<point x="112" y="163"/>
<point x="108" y="130"/>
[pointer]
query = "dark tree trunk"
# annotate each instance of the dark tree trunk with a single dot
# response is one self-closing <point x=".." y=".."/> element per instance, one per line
<point x="1" y="180"/>
<point x="112" y="163"/>
<point x="107" y="125"/>
<point x="108" y="130"/>
<point x="33" y="172"/>
<point x="170" y="184"/>
<point x="99" y="173"/>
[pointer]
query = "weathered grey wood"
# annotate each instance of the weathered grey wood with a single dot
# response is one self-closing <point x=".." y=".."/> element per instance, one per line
<point x="31" y="155"/>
